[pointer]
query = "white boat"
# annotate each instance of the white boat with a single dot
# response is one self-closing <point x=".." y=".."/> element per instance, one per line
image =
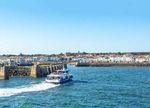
<point x="59" y="77"/>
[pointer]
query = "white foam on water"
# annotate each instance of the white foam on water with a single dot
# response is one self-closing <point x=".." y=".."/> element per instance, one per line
<point x="6" y="92"/>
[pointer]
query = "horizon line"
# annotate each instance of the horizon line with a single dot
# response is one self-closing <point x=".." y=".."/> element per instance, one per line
<point x="72" y="52"/>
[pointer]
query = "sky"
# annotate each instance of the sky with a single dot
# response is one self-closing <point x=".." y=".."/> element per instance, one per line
<point x="59" y="26"/>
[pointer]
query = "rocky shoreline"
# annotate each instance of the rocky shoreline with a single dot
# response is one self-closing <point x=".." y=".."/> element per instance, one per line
<point x="111" y="64"/>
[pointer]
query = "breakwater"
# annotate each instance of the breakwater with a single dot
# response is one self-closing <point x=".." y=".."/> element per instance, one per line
<point x="36" y="70"/>
<point x="112" y="64"/>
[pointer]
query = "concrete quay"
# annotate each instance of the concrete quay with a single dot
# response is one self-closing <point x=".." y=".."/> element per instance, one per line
<point x="35" y="71"/>
<point x="102" y="64"/>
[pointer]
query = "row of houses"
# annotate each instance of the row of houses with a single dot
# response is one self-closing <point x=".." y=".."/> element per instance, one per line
<point x="114" y="58"/>
<point x="26" y="60"/>
<point x="85" y="57"/>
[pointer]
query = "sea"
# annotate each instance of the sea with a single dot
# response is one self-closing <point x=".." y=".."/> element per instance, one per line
<point x="92" y="87"/>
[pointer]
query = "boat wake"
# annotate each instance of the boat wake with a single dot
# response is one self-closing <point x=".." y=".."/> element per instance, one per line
<point x="6" y="92"/>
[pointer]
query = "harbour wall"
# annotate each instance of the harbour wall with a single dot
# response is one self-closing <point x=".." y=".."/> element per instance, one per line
<point x="3" y="73"/>
<point x="112" y="64"/>
<point x="35" y="71"/>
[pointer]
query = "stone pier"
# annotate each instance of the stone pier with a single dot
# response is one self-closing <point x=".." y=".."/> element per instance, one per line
<point x="4" y="75"/>
<point x="42" y="70"/>
<point x="35" y="71"/>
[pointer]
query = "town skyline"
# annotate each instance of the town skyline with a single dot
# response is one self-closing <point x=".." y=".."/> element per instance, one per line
<point x="77" y="52"/>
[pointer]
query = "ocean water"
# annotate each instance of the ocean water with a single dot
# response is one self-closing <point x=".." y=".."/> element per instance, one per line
<point x="93" y="87"/>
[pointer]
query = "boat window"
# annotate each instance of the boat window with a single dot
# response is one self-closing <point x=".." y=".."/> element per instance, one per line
<point x="53" y="77"/>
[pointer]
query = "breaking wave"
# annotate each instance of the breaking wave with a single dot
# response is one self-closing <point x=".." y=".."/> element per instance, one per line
<point x="6" y="92"/>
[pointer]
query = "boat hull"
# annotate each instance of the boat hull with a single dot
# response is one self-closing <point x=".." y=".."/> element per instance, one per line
<point x="58" y="81"/>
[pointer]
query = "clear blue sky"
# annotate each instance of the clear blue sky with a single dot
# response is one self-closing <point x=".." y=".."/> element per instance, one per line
<point x="55" y="26"/>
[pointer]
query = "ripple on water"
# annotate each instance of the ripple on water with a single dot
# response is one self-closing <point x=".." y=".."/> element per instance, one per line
<point x="6" y="92"/>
